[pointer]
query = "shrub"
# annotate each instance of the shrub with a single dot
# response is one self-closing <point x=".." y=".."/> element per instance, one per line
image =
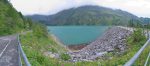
<point x="65" y="56"/>
<point x="137" y="37"/>
<point x="39" y="30"/>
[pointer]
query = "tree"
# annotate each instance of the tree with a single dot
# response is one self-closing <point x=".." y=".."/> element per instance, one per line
<point x="39" y="30"/>
<point x="130" y="23"/>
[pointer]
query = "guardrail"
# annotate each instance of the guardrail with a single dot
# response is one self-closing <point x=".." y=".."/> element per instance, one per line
<point x="134" y="58"/>
<point x="147" y="59"/>
<point x="22" y="54"/>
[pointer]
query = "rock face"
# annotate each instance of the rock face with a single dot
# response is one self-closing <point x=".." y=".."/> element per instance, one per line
<point x="112" y="40"/>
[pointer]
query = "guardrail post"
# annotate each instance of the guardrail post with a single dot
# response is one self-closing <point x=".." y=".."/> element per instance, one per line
<point x="19" y="57"/>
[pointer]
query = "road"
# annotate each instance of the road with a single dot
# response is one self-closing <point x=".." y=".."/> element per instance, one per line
<point x="9" y="55"/>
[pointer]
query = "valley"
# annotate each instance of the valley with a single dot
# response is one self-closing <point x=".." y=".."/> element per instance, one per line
<point x="87" y="35"/>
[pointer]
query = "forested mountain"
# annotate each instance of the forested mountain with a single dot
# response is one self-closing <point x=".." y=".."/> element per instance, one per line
<point x="11" y="21"/>
<point x="145" y="20"/>
<point x="87" y="15"/>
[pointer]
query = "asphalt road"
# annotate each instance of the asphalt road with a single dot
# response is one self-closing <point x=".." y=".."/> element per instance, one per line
<point x="9" y="55"/>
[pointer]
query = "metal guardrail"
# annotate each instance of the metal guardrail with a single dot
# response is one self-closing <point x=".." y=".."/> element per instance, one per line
<point x="22" y="54"/>
<point x="147" y="59"/>
<point x="134" y="58"/>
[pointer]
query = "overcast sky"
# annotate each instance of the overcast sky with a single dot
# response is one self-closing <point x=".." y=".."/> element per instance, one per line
<point x="140" y="8"/>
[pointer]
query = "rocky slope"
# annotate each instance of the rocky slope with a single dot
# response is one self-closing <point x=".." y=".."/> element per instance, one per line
<point x="113" y="40"/>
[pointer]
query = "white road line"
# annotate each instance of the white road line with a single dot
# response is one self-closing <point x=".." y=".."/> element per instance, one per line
<point x="4" y="49"/>
<point x="4" y="39"/>
<point x="1" y="38"/>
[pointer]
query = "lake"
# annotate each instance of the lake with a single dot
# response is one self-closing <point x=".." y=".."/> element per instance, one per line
<point x="74" y="35"/>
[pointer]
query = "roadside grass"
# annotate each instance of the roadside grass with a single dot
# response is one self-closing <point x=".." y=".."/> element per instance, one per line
<point x="142" y="58"/>
<point x="34" y="48"/>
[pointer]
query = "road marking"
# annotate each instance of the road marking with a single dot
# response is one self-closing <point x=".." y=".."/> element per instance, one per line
<point x="4" y="39"/>
<point x="4" y="48"/>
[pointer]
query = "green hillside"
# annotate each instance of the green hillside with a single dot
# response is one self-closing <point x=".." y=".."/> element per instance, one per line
<point x="11" y="21"/>
<point x="34" y="36"/>
<point x="87" y="15"/>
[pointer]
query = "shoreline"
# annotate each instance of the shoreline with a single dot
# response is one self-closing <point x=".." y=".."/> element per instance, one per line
<point x="70" y="48"/>
<point x="59" y="42"/>
<point x="77" y="47"/>
<point x="113" y="39"/>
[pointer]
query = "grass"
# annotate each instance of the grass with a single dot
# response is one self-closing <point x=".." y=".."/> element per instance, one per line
<point x="142" y="58"/>
<point x="65" y="56"/>
<point x="34" y="48"/>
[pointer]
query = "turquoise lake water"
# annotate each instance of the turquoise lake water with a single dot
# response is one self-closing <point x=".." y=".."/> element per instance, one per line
<point x="74" y="35"/>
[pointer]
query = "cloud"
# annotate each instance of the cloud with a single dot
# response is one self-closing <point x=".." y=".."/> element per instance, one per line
<point x="137" y="7"/>
<point x="46" y="7"/>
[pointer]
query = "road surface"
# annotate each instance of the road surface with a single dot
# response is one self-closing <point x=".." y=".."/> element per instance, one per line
<point x="9" y="55"/>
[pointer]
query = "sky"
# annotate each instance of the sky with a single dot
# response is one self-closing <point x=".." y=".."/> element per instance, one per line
<point x="48" y="7"/>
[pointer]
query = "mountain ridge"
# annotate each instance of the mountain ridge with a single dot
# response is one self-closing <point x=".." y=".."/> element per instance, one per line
<point x="87" y="15"/>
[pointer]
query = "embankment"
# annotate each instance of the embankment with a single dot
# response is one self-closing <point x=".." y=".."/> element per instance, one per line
<point x="113" y="40"/>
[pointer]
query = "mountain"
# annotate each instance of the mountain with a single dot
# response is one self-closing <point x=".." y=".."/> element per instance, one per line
<point x="86" y="15"/>
<point x="145" y="20"/>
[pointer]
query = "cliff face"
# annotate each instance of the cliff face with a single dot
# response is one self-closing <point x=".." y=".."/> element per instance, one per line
<point x="113" y="40"/>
